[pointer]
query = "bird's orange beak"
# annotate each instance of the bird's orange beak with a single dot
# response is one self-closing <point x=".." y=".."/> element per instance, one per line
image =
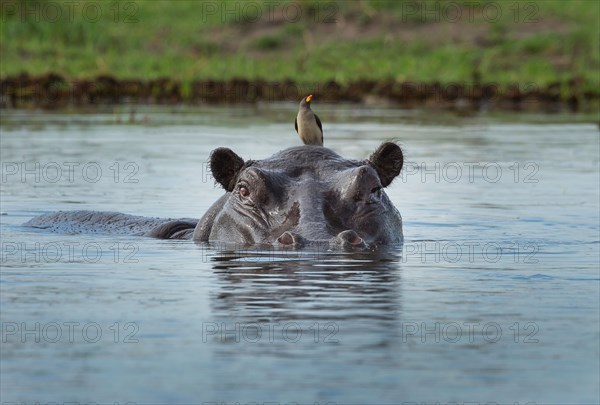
<point x="309" y="98"/>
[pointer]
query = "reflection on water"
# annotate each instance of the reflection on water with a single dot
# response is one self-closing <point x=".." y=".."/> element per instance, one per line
<point x="494" y="296"/>
<point x="323" y="312"/>
<point x="295" y="286"/>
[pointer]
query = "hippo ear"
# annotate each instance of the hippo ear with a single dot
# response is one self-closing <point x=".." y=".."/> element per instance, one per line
<point x="387" y="160"/>
<point x="225" y="165"/>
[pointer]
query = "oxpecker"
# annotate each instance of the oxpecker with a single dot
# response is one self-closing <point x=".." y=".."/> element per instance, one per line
<point x="308" y="125"/>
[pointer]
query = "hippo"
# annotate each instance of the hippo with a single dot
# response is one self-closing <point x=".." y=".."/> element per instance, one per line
<point x="298" y="197"/>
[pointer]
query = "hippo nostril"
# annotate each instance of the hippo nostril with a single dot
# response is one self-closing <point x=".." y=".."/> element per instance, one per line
<point x="355" y="240"/>
<point x="286" y="238"/>
<point x="350" y="237"/>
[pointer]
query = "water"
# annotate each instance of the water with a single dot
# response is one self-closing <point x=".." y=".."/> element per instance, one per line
<point x="494" y="297"/>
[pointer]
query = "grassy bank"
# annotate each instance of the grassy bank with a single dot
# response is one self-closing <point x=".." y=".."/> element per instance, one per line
<point x="539" y="42"/>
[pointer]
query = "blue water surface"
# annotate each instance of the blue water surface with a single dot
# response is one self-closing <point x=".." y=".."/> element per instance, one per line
<point x="494" y="296"/>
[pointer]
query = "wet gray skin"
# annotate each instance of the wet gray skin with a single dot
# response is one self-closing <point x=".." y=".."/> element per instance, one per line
<point x="304" y="195"/>
<point x="301" y="196"/>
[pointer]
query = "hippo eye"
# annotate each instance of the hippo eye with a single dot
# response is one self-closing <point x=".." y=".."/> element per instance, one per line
<point x="244" y="192"/>
<point x="375" y="190"/>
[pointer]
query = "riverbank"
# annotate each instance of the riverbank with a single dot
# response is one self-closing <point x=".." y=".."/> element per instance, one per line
<point x="53" y="91"/>
<point x="454" y="54"/>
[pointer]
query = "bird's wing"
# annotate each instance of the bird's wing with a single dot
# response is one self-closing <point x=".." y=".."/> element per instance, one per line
<point x="296" y="123"/>
<point x="319" y="123"/>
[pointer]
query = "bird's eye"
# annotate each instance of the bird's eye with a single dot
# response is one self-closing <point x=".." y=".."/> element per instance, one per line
<point x="244" y="192"/>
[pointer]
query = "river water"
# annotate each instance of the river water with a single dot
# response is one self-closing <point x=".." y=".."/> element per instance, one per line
<point x="494" y="296"/>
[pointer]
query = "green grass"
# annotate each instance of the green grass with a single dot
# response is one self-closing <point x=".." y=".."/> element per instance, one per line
<point x="531" y="42"/>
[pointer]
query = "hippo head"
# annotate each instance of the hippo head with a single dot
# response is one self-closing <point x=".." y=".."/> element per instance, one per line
<point x="304" y="195"/>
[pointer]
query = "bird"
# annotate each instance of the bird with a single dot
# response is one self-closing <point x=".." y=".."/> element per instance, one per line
<point x="308" y="125"/>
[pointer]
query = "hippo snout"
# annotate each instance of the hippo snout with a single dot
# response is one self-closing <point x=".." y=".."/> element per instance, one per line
<point x="348" y="239"/>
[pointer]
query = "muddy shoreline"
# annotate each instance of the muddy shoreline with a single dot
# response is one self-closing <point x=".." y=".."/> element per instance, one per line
<point x="52" y="91"/>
